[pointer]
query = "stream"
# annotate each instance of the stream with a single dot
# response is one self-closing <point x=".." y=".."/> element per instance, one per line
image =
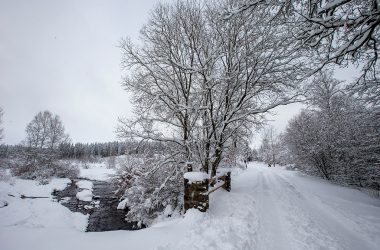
<point x="104" y="215"/>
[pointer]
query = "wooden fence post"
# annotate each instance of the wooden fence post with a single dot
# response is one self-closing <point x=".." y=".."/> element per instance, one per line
<point x="196" y="191"/>
<point x="227" y="182"/>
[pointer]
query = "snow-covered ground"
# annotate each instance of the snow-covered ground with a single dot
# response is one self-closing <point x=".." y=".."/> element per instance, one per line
<point x="268" y="208"/>
<point x="33" y="213"/>
<point x="96" y="171"/>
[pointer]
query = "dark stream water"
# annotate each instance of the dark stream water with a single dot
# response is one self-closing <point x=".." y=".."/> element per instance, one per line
<point x="104" y="215"/>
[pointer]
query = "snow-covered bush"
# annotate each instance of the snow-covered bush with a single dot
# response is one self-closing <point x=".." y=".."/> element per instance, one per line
<point x="42" y="164"/>
<point x="38" y="157"/>
<point x="148" y="185"/>
<point x="337" y="137"/>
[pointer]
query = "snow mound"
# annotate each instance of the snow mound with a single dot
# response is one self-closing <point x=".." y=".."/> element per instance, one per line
<point x="39" y="213"/>
<point x="84" y="195"/>
<point x="196" y="176"/>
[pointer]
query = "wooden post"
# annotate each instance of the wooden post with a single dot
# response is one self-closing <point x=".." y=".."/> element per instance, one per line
<point x="227" y="182"/>
<point x="196" y="194"/>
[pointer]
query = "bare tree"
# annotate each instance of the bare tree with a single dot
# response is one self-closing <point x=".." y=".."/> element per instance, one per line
<point x="165" y="82"/>
<point x="199" y="80"/>
<point x="340" y="32"/>
<point x="343" y="30"/>
<point x="39" y="159"/>
<point x="209" y="80"/>
<point x="258" y="68"/>
<point x="45" y="131"/>
<point x="269" y="148"/>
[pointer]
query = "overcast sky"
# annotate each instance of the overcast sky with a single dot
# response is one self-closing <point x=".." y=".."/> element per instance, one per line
<point x="62" y="56"/>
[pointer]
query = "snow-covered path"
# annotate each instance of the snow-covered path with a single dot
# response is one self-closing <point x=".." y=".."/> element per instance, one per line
<point x="268" y="208"/>
<point x="272" y="208"/>
<point x="301" y="212"/>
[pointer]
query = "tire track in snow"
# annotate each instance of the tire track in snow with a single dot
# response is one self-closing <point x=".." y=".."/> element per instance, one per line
<point x="270" y="232"/>
<point x="325" y="230"/>
<point x="304" y="233"/>
<point x="269" y="209"/>
<point x="334" y="220"/>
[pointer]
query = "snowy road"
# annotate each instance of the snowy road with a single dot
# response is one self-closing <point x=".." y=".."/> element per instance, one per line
<point x="272" y="208"/>
<point x="301" y="212"/>
<point x="268" y="208"/>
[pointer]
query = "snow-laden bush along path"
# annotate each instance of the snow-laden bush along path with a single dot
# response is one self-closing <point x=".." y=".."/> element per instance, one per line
<point x="268" y="208"/>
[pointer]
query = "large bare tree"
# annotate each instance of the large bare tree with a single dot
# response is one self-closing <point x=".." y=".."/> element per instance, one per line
<point x="45" y="131"/>
<point x="339" y="31"/>
<point x="200" y="81"/>
<point x="203" y="78"/>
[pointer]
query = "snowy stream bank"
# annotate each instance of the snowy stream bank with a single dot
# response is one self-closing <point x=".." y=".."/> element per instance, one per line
<point x="97" y="199"/>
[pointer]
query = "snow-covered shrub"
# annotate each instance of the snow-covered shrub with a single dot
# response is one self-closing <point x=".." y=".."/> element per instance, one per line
<point x="148" y="185"/>
<point x="42" y="164"/>
<point x="337" y="137"/>
<point x="65" y="170"/>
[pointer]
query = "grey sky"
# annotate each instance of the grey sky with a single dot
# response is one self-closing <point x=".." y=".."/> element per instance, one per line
<point x="62" y="56"/>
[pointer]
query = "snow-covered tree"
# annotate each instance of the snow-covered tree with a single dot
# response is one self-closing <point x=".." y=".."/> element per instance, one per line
<point x="45" y="131"/>
<point x="39" y="157"/>
<point x="345" y="32"/>
<point x="270" y="148"/>
<point x="337" y="136"/>
<point x="198" y="80"/>
<point x="339" y="31"/>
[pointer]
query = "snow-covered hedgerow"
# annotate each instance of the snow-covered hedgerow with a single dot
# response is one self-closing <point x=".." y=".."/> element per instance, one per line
<point x="42" y="164"/>
<point x="337" y="137"/>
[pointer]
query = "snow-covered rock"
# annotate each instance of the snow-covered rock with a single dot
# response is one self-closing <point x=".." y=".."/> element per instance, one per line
<point x="84" y="195"/>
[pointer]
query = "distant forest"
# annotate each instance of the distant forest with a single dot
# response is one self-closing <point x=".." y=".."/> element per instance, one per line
<point x="84" y="151"/>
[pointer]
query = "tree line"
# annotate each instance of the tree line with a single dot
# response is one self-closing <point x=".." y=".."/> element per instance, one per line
<point x="79" y="151"/>
<point x="46" y="144"/>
